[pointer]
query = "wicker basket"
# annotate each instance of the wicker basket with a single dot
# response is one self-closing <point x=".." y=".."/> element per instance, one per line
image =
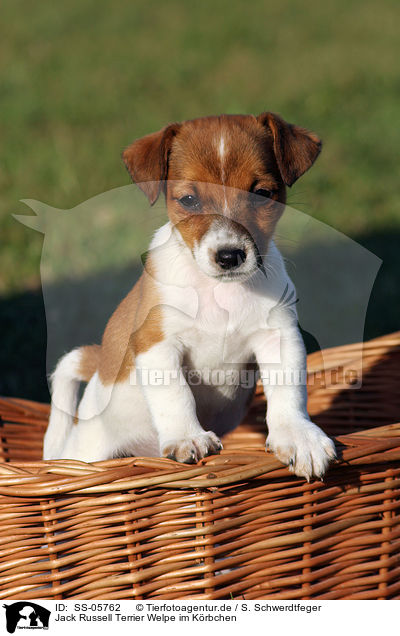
<point x="237" y="525"/>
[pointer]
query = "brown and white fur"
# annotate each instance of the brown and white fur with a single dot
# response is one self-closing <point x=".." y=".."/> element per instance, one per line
<point x="209" y="297"/>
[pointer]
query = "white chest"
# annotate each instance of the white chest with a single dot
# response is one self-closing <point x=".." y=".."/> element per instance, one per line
<point x="216" y="326"/>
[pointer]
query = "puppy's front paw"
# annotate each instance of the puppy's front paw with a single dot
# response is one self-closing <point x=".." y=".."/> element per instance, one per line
<point x="190" y="450"/>
<point x="303" y="447"/>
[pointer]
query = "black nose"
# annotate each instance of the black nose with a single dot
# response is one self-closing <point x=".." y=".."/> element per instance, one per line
<point x="228" y="259"/>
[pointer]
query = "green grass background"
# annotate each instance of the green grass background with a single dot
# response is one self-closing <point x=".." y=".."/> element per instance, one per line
<point x="82" y="79"/>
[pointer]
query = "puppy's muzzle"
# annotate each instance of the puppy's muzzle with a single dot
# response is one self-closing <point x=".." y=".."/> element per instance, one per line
<point x="229" y="258"/>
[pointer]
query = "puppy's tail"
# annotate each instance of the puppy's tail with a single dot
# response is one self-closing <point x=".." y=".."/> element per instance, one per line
<point x="71" y="369"/>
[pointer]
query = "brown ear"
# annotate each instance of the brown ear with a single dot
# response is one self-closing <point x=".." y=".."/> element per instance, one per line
<point x="295" y="148"/>
<point x="147" y="160"/>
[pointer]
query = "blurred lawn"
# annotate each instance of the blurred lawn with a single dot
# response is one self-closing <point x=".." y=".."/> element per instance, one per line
<point x="80" y="80"/>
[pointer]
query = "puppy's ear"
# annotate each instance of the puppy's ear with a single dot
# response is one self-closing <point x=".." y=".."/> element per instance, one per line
<point x="147" y="160"/>
<point x="295" y="148"/>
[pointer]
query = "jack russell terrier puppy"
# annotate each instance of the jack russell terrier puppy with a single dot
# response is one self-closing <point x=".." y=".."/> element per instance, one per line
<point x="214" y="295"/>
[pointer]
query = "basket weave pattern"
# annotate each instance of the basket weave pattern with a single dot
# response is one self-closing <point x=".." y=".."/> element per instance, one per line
<point x="237" y="525"/>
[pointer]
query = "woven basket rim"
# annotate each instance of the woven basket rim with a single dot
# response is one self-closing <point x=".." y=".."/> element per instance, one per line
<point x="56" y="477"/>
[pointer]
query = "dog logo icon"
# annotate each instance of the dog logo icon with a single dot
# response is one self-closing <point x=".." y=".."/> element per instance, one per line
<point x="26" y="615"/>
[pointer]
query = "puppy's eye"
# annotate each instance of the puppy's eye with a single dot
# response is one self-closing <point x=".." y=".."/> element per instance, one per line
<point x="190" y="202"/>
<point x="261" y="195"/>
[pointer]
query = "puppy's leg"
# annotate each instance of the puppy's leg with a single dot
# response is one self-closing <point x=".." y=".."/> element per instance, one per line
<point x="89" y="440"/>
<point x="65" y="385"/>
<point x="172" y="405"/>
<point x="113" y="421"/>
<point x="294" y="439"/>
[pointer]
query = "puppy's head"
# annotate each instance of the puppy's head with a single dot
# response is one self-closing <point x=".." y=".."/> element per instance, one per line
<point x="224" y="179"/>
